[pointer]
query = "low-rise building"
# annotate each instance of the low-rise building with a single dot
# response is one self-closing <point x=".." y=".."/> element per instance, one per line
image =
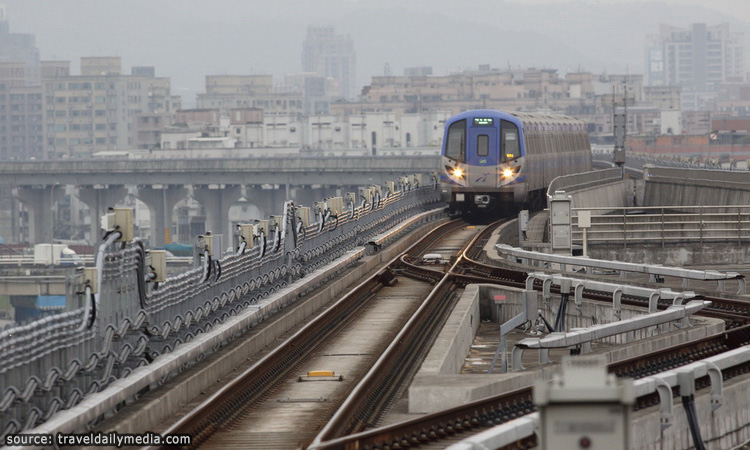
<point x="226" y="92"/>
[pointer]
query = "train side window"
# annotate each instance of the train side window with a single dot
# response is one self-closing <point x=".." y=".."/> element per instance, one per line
<point x="483" y="145"/>
<point x="455" y="148"/>
<point x="510" y="146"/>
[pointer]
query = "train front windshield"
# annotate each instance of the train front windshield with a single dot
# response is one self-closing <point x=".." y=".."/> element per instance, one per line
<point x="510" y="145"/>
<point x="455" y="147"/>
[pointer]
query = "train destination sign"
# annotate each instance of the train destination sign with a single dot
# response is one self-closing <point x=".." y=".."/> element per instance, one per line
<point x="484" y="121"/>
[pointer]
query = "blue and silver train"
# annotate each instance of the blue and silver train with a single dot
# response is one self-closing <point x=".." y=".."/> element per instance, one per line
<point x="494" y="160"/>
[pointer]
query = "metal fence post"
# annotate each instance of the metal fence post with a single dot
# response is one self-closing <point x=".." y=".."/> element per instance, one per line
<point x="662" y="228"/>
<point x="624" y="228"/>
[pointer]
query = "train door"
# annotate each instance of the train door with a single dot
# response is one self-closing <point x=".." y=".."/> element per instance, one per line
<point x="483" y="155"/>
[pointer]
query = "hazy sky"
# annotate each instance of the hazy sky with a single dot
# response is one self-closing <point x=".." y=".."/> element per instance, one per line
<point x="736" y="8"/>
<point x="188" y="39"/>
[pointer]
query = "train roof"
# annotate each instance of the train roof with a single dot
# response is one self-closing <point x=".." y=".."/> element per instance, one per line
<point x="540" y="119"/>
<point x="552" y="119"/>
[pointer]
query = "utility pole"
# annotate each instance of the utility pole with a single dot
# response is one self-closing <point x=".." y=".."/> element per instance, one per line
<point x="620" y="125"/>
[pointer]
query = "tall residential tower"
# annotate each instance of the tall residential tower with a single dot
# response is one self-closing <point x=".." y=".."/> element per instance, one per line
<point x="330" y="55"/>
<point x="698" y="58"/>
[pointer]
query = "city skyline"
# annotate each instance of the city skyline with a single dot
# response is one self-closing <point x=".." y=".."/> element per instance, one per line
<point x="75" y="113"/>
<point x="90" y="30"/>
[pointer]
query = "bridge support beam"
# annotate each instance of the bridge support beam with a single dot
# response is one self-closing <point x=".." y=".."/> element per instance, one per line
<point x="39" y="201"/>
<point x="161" y="200"/>
<point x="217" y="199"/>
<point x="98" y="198"/>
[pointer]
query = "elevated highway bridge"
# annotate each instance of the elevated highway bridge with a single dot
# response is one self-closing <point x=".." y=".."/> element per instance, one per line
<point x="217" y="183"/>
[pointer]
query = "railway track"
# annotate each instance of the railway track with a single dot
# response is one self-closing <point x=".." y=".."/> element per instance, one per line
<point x="439" y="429"/>
<point x="352" y="425"/>
<point x="340" y="345"/>
<point x="433" y="430"/>
<point x="380" y="387"/>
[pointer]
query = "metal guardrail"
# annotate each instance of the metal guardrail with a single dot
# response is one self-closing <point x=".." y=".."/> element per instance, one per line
<point x="654" y="270"/>
<point x="662" y="225"/>
<point x="617" y="290"/>
<point x="662" y="384"/>
<point x="502" y="435"/>
<point x="583" y="337"/>
<point x="53" y="363"/>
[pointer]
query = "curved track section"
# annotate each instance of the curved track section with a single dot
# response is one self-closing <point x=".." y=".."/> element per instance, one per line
<point x="341" y="344"/>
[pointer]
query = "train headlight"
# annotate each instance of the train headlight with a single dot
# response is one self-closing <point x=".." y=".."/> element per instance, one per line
<point x="458" y="173"/>
<point x="507" y="173"/>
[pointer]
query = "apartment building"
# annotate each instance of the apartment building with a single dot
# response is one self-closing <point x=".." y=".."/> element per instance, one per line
<point x="225" y="92"/>
<point x="331" y="55"/>
<point x="102" y="109"/>
<point x="699" y="58"/>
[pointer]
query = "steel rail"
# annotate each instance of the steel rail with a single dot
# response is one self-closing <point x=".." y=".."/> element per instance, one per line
<point x="505" y="407"/>
<point x="364" y="406"/>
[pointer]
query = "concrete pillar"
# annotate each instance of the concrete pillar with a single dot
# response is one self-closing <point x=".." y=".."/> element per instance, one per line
<point x="39" y="201"/>
<point x="217" y="199"/>
<point x="331" y="190"/>
<point x="98" y="198"/>
<point x="306" y="195"/>
<point x="269" y="201"/>
<point x="161" y="200"/>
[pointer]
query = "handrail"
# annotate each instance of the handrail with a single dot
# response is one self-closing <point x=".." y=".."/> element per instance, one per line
<point x="666" y="207"/>
<point x="580" y="336"/>
<point x="651" y="269"/>
<point x="577" y="285"/>
<point x="501" y="435"/>
<point x="664" y="224"/>
<point x="684" y="377"/>
<point x="585" y="336"/>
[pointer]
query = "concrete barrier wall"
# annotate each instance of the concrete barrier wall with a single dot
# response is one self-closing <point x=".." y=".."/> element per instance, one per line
<point x="583" y="180"/>
<point x="594" y="189"/>
<point x="457" y="336"/>
<point x="616" y="194"/>
<point x="695" y="187"/>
